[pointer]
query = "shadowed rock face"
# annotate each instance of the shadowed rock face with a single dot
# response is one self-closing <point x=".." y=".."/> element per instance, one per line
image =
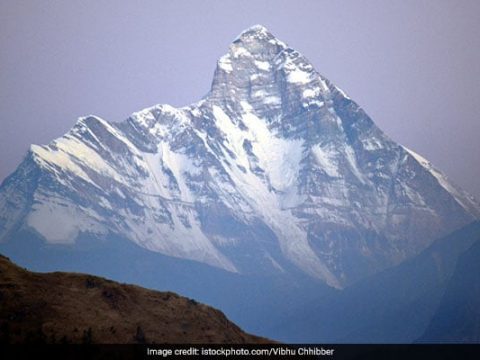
<point x="457" y="319"/>
<point x="434" y="294"/>
<point x="77" y="308"/>
<point x="275" y="167"/>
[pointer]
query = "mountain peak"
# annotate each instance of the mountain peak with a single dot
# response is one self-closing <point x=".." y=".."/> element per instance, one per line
<point x="256" y="41"/>
<point x="257" y="30"/>
<point x="258" y="66"/>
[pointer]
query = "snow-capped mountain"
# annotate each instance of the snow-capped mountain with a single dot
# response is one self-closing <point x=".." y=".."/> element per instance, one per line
<point x="275" y="168"/>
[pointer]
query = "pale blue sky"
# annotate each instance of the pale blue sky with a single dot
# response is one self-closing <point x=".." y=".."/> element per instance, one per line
<point x="414" y="66"/>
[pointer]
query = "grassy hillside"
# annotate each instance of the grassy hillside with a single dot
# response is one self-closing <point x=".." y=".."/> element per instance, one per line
<point x="77" y="308"/>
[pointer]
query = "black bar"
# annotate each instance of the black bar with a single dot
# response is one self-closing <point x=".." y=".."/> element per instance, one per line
<point x="206" y="351"/>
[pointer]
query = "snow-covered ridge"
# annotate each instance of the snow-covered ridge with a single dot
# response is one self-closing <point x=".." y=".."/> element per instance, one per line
<point x="467" y="201"/>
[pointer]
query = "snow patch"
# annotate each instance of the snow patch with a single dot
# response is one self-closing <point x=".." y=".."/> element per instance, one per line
<point x="272" y="100"/>
<point x="352" y="160"/>
<point x="280" y="158"/>
<point x="48" y="157"/>
<point x="262" y="65"/>
<point x="180" y="165"/>
<point x="238" y="51"/>
<point x="233" y="134"/>
<point x="326" y="159"/>
<point x="309" y="93"/>
<point x="298" y="76"/>
<point x="69" y="220"/>
<point x="225" y="64"/>
<point x="372" y="144"/>
<point x="296" y="73"/>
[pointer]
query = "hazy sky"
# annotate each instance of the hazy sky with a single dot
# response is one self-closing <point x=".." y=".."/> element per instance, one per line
<point x="414" y="66"/>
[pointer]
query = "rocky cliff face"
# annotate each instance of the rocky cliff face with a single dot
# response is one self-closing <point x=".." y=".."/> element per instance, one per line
<point x="275" y="167"/>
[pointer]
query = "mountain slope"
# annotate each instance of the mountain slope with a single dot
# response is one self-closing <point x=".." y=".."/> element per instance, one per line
<point x="77" y="308"/>
<point x="393" y="306"/>
<point x="274" y="167"/>
<point x="457" y="319"/>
